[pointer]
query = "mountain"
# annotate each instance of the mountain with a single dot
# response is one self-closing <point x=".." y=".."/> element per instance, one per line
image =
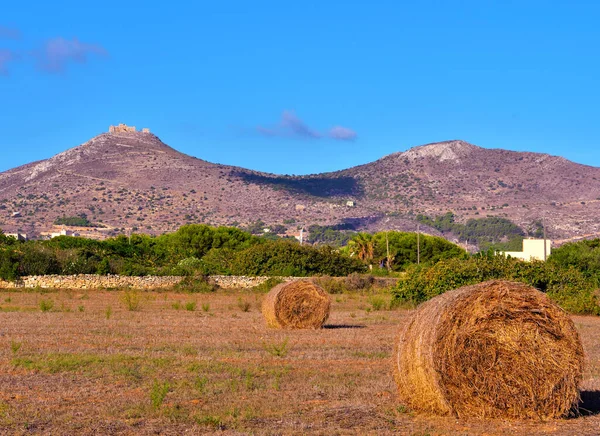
<point x="476" y="182"/>
<point x="132" y="180"/>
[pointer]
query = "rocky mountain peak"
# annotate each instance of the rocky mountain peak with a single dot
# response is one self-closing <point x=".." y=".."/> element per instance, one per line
<point x="443" y="151"/>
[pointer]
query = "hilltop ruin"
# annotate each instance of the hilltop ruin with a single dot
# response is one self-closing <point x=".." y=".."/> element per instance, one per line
<point x="124" y="128"/>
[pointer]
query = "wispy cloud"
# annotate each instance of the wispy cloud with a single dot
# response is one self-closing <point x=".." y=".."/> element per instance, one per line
<point x="292" y="126"/>
<point x="6" y="56"/>
<point x="58" y="52"/>
<point x="9" y="33"/>
<point x="53" y="56"/>
<point x="342" y="133"/>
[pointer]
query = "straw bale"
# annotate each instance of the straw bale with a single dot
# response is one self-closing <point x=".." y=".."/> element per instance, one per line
<point x="298" y="304"/>
<point x="495" y="349"/>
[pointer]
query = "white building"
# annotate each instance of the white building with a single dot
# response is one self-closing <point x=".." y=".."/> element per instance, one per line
<point x="533" y="249"/>
<point x="64" y="232"/>
<point x="17" y="236"/>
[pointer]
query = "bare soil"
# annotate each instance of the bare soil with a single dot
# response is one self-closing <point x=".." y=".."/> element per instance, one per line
<point x="88" y="365"/>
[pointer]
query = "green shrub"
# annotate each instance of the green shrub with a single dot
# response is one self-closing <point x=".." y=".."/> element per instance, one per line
<point x="103" y="267"/>
<point x="196" y="284"/>
<point x="378" y="303"/>
<point x="567" y="286"/>
<point x="79" y="261"/>
<point x="335" y="236"/>
<point x="267" y="285"/>
<point x="158" y="393"/>
<point x="243" y="305"/>
<point x="77" y="221"/>
<point x="38" y="260"/>
<point x="9" y="263"/>
<point x="132" y="300"/>
<point x="277" y="349"/>
<point x="330" y="285"/>
<point x="218" y="261"/>
<point x="46" y="305"/>
<point x="187" y="267"/>
<point x="285" y="258"/>
<point x="191" y="306"/>
<point x="15" y="346"/>
<point x="486" y="232"/>
<point x="583" y="256"/>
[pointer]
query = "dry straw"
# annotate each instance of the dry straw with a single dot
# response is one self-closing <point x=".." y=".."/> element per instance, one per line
<point x="495" y="349"/>
<point x="297" y="305"/>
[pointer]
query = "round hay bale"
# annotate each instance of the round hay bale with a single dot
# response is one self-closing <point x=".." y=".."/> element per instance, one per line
<point x="297" y="305"/>
<point x="495" y="349"/>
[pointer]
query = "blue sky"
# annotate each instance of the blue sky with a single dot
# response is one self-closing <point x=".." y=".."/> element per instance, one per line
<point x="301" y="87"/>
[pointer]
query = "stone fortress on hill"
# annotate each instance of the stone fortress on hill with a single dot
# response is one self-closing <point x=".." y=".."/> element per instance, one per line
<point x="124" y="128"/>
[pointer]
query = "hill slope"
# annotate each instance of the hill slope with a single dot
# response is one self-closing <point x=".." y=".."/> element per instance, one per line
<point x="475" y="182"/>
<point x="133" y="180"/>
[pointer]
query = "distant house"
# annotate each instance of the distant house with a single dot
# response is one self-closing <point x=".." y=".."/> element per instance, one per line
<point x="85" y="232"/>
<point x="16" y="214"/>
<point x="350" y="203"/>
<point x="533" y="249"/>
<point x="63" y="232"/>
<point x="17" y="236"/>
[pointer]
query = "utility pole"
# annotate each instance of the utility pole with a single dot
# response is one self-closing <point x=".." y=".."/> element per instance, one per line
<point x="544" y="228"/>
<point x="418" y="244"/>
<point x="301" y="234"/>
<point x="387" y="249"/>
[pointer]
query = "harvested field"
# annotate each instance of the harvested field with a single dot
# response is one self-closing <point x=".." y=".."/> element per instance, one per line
<point x="203" y="363"/>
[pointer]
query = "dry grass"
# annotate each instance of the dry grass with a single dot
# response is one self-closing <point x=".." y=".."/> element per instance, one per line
<point x="168" y="371"/>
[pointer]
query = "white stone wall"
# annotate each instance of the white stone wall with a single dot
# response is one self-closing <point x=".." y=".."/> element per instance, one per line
<point x="92" y="281"/>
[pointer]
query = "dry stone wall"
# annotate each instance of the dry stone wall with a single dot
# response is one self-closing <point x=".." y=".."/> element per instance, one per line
<point x="92" y="281"/>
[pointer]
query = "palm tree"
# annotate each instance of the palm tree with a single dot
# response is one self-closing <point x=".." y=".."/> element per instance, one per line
<point x="362" y="245"/>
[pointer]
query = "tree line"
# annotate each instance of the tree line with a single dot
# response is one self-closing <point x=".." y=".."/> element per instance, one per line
<point x="202" y="249"/>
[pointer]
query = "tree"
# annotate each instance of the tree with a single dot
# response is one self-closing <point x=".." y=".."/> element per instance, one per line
<point x="362" y="245"/>
<point x="9" y="263"/>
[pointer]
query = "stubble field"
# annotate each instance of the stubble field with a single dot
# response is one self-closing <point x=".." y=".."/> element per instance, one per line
<point x="83" y="363"/>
